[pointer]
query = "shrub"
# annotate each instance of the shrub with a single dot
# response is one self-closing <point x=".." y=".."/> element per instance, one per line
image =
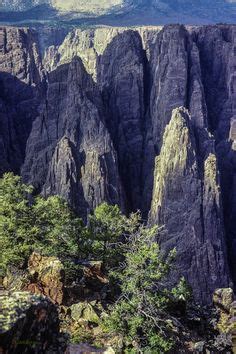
<point x="140" y="314"/>
<point x="28" y="224"/>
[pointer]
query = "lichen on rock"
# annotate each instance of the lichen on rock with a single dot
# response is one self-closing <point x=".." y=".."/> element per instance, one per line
<point x="28" y="322"/>
<point x="48" y="277"/>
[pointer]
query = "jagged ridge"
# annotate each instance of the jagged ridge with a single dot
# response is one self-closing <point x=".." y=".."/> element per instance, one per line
<point x="102" y="124"/>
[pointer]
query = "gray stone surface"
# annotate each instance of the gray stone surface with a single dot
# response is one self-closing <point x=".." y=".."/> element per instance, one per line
<point x="186" y="204"/>
<point x="20" y="71"/>
<point x="69" y="151"/>
<point x="121" y="76"/>
<point x="100" y="123"/>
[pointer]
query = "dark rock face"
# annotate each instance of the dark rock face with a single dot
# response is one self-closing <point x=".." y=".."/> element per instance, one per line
<point x="169" y="75"/>
<point x="20" y="72"/>
<point x="121" y="75"/>
<point x="217" y="47"/>
<point x="70" y="152"/>
<point x="188" y="208"/>
<point x="95" y="141"/>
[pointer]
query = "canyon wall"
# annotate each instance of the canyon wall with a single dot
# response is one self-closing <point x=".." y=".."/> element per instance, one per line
<point x="141" y="117"/>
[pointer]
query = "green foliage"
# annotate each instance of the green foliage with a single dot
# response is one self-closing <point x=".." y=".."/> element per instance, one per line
<point x="48" y="226"/>
<point x="15" y="222"/>
<point x="56" y="227"/>
<point x="81" y="335"/>
<point x="108" y="229"/>
<point x="28" y="224"/>
<point x="128" y="249"/>
<point x="140" y="314"/>
<point x="182" y="292"/>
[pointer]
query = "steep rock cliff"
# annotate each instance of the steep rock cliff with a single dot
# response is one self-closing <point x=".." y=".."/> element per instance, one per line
<point x="69" y="151"/>
<point x="20" y="72"/>
<point x="102" y="125"/>
<point x="188" y="209"/>
<point x="217" y="47"/>
<point x="121" y="76"/>
<point x="91" y="43"/>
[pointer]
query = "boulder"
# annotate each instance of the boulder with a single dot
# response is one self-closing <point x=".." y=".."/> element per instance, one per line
<point x="223" y="301"/>
<point x="223" y="298"/>
<point x="84" y="312"/>
<point x="28" y="323"/>
<point x="47" y="277"/>
<point x="94" y="281"/>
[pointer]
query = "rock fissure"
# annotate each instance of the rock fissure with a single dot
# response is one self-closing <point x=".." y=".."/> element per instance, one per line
<point x="101" y="125"/>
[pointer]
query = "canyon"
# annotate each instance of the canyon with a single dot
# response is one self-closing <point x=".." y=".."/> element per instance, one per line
<point x="119" y="12"/>
<point x="142" y="117"/>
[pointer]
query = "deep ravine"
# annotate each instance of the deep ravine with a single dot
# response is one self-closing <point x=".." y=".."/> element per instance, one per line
<point x="94" y="119"/>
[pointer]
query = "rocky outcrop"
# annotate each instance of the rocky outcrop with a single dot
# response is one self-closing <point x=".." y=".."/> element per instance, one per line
<point x="28" y="323"/>
<point x="103" y="121"/>
<point x="20" y="73"/>
<point x="187" y="207"/>
<point x="223" y="302"/>
<point x="225" y="305"/>
<point x="47" y="277"/>
<point x="91" y="43"/>
<point x="69" y="151"/>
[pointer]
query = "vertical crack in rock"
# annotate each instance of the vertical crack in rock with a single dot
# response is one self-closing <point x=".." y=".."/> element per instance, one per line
<point x="121" y="77"/>
<point x="217" y="47"/>
<point x="92" y="128"/>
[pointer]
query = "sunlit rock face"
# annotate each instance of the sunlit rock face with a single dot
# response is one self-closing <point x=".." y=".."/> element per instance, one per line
<point x="186" y="204"/>
<point x="69" y="151"/>
<point x="90" y="44"/>
<point x="103" y="130"/>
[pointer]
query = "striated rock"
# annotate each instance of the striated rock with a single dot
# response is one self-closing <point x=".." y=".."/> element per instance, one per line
<point x="69" y="151"/>
<point x="101" y="126"/>
<point x="19" y="55"/>
<point x="90" y="44"/>
<point x="20" y="72"/>
<point x="47" y="277"/>
<point x="175" y="80"/>
<point x="121" y="71"/>
<point x="188" y="209"/>
<point x="217" y="45"/>
<point x="169" y="77"/>
<point x="28" y="323"/>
